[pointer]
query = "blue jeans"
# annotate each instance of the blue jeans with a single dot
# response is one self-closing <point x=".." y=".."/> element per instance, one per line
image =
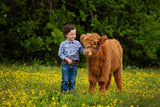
<point x="69" y="73"/>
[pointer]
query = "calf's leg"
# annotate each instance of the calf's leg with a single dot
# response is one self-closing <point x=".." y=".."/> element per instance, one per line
<point x="102" y="86"/>
<point x="92" y="85"/>
<point x="109" y="81"/>
<point x="118" y="78"/>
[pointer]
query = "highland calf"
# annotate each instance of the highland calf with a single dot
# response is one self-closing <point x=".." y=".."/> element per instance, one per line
<point x="104" y="56"/>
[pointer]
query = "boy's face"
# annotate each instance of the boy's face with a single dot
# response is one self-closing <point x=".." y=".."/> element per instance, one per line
<point x="71" y="35"/>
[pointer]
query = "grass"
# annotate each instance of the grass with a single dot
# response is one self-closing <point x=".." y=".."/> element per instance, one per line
<point x="39" y="86"/>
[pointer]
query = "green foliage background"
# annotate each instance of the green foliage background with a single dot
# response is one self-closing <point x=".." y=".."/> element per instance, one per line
<point x="31" y="30"/>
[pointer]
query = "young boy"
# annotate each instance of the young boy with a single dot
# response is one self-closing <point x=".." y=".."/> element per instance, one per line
<point x="69" y="53"/>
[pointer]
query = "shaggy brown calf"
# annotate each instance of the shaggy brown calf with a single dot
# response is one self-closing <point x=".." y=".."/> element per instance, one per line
<point x="104" y="56"/>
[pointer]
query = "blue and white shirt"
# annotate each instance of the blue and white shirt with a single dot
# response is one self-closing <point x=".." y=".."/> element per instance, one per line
<point x="70" y="50"/>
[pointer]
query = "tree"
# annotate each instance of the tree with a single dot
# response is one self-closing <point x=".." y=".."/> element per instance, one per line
<point x="32" y="30"/>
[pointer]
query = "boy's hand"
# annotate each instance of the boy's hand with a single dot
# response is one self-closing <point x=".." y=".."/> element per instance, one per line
<point x="84" y="53"/>
<point x="69" y="61"/>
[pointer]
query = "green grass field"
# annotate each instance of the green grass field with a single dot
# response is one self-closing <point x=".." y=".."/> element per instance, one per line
<point x="39" y="86"/>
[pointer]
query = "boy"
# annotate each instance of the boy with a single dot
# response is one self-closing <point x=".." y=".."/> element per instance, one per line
<point x="69" y="53"/>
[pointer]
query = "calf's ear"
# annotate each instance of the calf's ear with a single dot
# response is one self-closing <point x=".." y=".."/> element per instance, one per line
<point x="103" y="39"/>
<point x="82" y="38"/>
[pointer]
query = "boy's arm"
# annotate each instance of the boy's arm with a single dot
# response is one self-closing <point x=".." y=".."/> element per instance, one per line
<point x="81" y="49"/>
<point x="60" y="52"/>
<point x="62" y="56"/>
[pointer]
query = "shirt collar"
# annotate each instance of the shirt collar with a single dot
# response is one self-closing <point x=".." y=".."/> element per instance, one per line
<point x="70" y="42"/>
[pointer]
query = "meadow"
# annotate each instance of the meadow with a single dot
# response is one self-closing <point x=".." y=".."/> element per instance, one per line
<point x="39" y="86"/>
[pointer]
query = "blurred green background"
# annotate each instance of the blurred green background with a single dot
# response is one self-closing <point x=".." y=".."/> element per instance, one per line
<point x="31" y="30"/>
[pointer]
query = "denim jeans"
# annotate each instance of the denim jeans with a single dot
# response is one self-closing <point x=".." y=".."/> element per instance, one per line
<point x="69" y="73"/>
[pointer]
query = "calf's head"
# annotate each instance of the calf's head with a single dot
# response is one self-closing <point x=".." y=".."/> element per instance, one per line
<point x="91" y="42"/>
